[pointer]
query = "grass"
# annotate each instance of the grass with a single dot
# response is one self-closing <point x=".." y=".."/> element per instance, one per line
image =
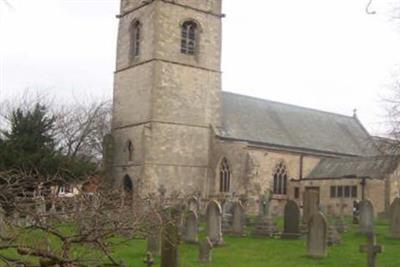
<point x="260" y="252"/>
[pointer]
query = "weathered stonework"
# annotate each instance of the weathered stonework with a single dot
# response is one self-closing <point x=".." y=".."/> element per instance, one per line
<point x="166" y="102"/>
<point x="170" y="107"/>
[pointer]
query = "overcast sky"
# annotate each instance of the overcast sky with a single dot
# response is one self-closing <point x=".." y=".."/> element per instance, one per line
<point x="324" y="54"/>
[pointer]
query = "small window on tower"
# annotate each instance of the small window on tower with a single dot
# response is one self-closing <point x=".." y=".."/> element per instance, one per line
<point x="131" y="149"/>
<point x="189" y="38"/>
<point x="135" y="39"/>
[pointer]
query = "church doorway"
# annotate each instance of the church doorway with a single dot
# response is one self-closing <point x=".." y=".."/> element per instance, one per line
<point x="127" y="190"/>
<point x="128" y="184"/>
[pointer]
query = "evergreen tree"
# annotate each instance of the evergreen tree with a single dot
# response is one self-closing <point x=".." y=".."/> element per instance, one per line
<point x="29" y="146"/>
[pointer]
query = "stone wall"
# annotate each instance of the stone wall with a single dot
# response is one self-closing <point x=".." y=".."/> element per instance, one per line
<point x="374" y="191"/>
<point x="164" y="101"/>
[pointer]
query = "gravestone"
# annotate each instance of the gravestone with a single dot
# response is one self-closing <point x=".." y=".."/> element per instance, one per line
<point x="169" y="245"/>
<point x="395" y="219"/>
<point x="311" y="204"/>
<point x="340" y="222"/>
<point x="266" y="227"/>
<point x="356" y="212"/>
<point x="265" y="202"/>
<point x="193" y="205"/>
<point x="333" y="236"/>
<point x="205" y="251"/>
<point x="390" y="212"/>
<point x="317" y="236"/>
<point x="149" y="260"/>
<point x="366" y="222"/>
<point x="154" y="242"/>
<point x="238" y="219"/>
<point x="291" y="227"/>
<point x="191" y="227"/>
<point x="214" y="218"/>
<point x="340" y="225"/>
<point x="372" y="249"/>
<point x="227" y="217"/>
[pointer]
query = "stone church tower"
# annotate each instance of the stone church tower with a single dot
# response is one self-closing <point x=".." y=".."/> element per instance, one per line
<point x="166" y="94"/>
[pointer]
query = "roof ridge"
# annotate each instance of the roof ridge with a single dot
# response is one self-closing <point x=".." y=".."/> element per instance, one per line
<point x="291" y="105"/>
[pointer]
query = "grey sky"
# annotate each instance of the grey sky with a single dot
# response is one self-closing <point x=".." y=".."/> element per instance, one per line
<point x="324" y="54"/>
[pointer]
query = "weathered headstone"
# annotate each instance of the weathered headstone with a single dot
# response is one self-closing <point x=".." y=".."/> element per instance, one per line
<point x="238" y="219"/>
<point x="169" y="247"/>
<point x="340" y="225"/>
<point x="395" y="219"/>
<point x="311" y="204"/>
<point x="205" y="251"/>
<point x="265" y="202"/>
<point x="333" y="236"/>
<point x="317" y="236"/>
<point x="340" y="222"/>
<point x="366" y="223"/>
<point x="154" y="242"/>
<point x="193" y="205"/>
<point x="372" y="249"/>
<point x="356" y="212"/>
<point x="149" y="260"/>
<point x="266" y="227"/>
<point x="214" y="220"/>
<point x="291" y="228"/>
<point x="191" y="227"/>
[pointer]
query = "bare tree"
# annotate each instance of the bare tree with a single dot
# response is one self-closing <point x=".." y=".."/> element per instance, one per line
<point x="38" y="228"/>
<point x="81" y="128"/>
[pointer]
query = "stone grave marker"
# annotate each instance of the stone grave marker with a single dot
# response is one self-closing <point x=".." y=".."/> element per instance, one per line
<point x="154" y="242"/>
<point x="193" y="204"/>
<point x="366" y="222"/>
<point x="169" y="245"/>
<point x="266" y="227"/>
<point x="265" y="202"/>
<point x="291" y="228"/>
<point x="205" y="251"/>
<point x="238" y="219"/>
<point x="317" y="236"/>
<point x="372" y="249"/>
<point x="191" y="227"/>
<point x="149" y="260"/>
<point x="214" y="220"/>
<point x="395" y="219"/>
<point x="333" y="236"/>
<point x="356" y="212"/>
<point x="311" y="204"/>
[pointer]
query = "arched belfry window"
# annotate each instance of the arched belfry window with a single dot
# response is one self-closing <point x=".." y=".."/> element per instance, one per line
<point x="189" y="37"/>
<point x="127" y="184"/>
<point x="131" y="150"/>
<point x="224" y="176"/>
<point x="280" y="179"/>
<point x="135" y="38"/>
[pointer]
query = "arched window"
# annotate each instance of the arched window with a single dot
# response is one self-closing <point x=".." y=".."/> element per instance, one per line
<point x="280" y="179"/>
<point x="127" y="184"/>
<point x="131" y="149"/>
<point x="135" y="39"/>
<point x="189" y="37"/>
<point x="224" y="176"/>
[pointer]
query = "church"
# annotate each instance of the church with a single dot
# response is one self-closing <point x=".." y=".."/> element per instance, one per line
<point x="174" y="128"/>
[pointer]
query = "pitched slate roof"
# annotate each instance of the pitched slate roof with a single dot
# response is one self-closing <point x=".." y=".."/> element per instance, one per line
<point x="262" y="121"/>
<point x="374" y="167"/>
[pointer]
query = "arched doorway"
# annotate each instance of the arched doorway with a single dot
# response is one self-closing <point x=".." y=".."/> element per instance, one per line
<point x="128" y="184"/>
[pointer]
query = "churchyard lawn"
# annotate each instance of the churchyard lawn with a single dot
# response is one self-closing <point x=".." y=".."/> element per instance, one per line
<point x="259" y="252"/>
<point x="262" y="252"/>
